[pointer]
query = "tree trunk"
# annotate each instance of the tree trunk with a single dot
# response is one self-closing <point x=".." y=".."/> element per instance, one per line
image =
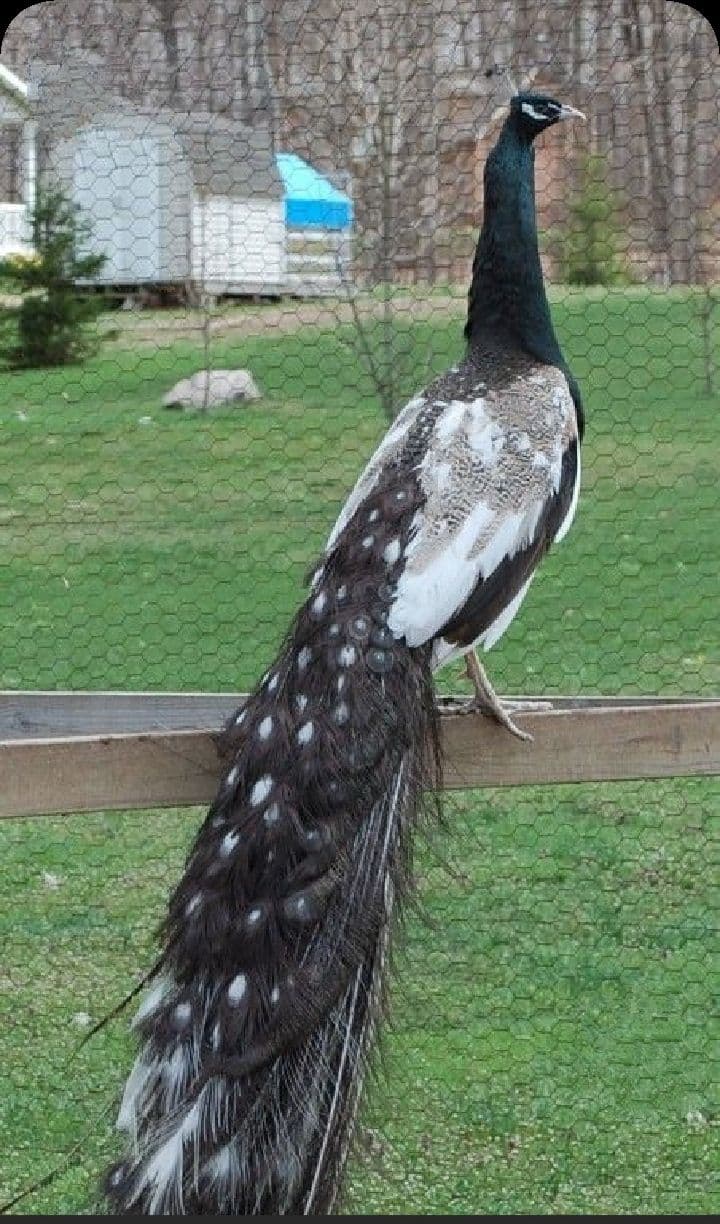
<point x="167" y="17"/>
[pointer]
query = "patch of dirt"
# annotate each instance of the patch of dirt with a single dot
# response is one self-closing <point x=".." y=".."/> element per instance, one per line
<point x="279" y="318"/>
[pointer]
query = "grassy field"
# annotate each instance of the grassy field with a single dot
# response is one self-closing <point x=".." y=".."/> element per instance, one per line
<point x="551" y="1050"/>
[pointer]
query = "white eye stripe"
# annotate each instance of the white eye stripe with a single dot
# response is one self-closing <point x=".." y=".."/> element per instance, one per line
<point x="550" y="110"/>
<point x="527" y="109"/>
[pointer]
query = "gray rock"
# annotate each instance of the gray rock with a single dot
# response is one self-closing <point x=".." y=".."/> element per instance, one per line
<point x="211" y="388"/>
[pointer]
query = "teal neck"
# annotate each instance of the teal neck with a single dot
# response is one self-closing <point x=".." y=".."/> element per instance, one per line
<point x="507" y="301"/>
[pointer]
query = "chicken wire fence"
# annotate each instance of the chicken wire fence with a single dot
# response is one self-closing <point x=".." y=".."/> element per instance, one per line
<point x="293" y="191"/>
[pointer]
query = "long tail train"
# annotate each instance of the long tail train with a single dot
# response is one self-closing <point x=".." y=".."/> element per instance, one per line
<point x="257" y="1032"/>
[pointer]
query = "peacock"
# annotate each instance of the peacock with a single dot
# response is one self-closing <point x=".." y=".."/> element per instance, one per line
<point x="264" y="1004"/>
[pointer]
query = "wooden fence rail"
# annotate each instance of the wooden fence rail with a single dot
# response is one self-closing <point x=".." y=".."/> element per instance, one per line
<point x="84" y="752"/>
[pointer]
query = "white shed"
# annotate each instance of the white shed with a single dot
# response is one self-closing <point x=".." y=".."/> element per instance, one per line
<point x="176" y="199"/>
<point x="171" y="198"/>
<point x="17" y="164"/>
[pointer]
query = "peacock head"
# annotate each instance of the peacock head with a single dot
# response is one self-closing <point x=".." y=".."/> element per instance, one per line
<point x="535" y="112"/>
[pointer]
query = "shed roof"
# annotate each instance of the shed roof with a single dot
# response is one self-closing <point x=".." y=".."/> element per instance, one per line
<point x="227" y="157"/>
<point x="310" y="198"/>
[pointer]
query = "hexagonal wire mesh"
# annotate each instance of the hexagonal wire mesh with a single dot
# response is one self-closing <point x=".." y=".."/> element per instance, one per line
<point x="294" y="190"/>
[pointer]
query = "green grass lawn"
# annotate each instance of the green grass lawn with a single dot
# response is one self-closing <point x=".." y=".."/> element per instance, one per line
<point x="551" y="1047"/>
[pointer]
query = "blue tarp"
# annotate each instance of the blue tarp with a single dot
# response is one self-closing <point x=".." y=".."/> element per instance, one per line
<point x="310" y="199"/>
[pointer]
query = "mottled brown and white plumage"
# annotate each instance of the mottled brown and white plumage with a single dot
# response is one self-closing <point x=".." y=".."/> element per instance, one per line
<point x="257" y="1031"/>
<point x="499" y="478"/>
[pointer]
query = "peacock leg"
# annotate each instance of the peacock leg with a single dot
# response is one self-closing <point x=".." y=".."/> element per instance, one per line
<point x="486" y="700"/>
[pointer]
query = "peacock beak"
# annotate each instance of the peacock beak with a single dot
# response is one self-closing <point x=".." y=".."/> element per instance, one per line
<point x="569" y="112"/>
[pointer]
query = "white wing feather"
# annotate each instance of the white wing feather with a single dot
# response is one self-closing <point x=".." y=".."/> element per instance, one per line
<point x="490" y="466"/>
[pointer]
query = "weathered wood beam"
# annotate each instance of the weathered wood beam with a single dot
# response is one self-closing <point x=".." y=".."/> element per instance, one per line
<point x="50" y="714"/>
<point x="114" y="751"/>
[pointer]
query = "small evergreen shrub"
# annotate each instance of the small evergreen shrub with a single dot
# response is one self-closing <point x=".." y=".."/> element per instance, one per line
<point x="53" y="324"/>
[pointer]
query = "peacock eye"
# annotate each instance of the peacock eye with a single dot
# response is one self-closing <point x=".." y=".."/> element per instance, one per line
<point x="535" y="111"/>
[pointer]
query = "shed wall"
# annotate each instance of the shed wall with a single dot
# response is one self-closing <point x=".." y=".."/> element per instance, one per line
<point x="132" y="183"/>
<point x="239" y="244"/>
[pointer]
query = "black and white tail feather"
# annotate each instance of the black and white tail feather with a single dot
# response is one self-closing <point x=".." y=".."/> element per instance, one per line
<point x="257" y="1031"/>
<point x="256" y="1034"/>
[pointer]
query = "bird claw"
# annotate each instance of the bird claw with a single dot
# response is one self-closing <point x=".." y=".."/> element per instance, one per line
<point x="529" y="704"/>
<point x="501" y="713"/>
<point x="503" y="717"/>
